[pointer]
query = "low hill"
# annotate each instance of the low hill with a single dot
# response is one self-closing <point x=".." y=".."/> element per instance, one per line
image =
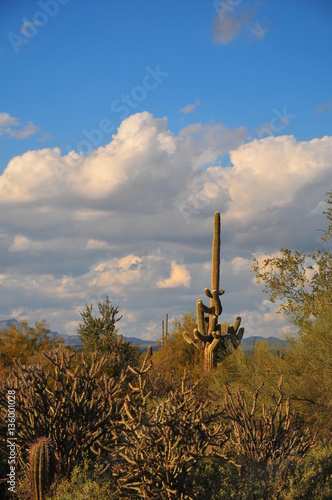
<point x="72" y="340"/>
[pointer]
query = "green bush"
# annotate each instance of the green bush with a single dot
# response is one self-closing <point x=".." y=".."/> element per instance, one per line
<point x="298" y="479"/>
<point x="312" y="477"/>
<point x="85" y="482"/>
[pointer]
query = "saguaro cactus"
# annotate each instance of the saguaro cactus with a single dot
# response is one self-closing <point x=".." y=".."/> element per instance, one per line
<point x="208" y="335"/>
<point x="42" y="467"/>
<point x="149" y="351"/>
<point x="164" y="334"/>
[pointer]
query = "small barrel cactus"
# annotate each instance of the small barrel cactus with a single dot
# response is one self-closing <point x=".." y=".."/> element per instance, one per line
<point x="42" y="467"/>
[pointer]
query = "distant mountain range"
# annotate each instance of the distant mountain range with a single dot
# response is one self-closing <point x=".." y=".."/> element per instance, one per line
<point x="247" y="343"/>
<point x="5" y="325"/>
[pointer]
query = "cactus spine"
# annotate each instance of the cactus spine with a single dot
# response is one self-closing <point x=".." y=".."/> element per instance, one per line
<point x="217" y="345"/>
<point x="42" y="467"/>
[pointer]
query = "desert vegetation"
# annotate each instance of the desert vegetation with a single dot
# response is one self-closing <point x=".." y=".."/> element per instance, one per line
<point x="108" y="421"/>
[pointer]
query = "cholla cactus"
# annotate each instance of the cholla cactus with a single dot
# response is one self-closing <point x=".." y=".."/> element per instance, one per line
<point x="161" y="441"/>
<point x="208" y="335"/>
<point x="269" y="435"/>
<point x="70" y="400"/>
<point x="42" y="467"/>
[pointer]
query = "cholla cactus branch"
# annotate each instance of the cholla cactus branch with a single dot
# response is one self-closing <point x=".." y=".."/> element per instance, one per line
<point x="273" y="436"/>
<point x="160" y="441"/>
<point x="76" y="406"/>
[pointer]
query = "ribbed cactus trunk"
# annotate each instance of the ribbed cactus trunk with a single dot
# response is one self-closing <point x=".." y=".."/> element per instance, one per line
<point x="166" y="332"/>
<point x="162" y="334"/>
<point x="215" y="278"/>
<point x="208" y="359"/>
<point x="215" y="272"/>
<point x="42" y="467"/>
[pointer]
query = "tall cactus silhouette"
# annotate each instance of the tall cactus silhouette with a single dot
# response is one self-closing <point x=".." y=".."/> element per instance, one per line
<point x="149" y="351"/>
<point x="164" y="334"/>
<point x="208" y="335"/>
<point x="42" y="467"/>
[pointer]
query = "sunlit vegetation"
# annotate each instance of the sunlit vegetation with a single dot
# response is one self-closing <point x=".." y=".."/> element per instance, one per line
<point x="117" y="423"/>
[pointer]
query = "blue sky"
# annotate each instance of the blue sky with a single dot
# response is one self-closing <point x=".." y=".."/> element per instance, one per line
<point x="65" y="78"/>
<point x="94" y="96"/>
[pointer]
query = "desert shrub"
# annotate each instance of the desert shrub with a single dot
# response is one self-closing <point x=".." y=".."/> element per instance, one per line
<point x="308" y="377"/>
<point x="26" y="343"/>
<point x="76" y="406"/>
<point x="176" y="357"/>
<point x="86" y="481"/>
<point x="310" y="478"/>
<point x="248" y="371"/>
<point x="297" y="479"/>
<point x="276" y="435"/>
<point x="161" y="441"/>
<point x="264" y="443"/>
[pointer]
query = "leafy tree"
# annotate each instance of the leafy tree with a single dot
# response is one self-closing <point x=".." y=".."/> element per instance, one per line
<point x="247" y="371"/>
<point x="302" y="282"/>
<point x="26" y="343"/>
<point x="99" y="334"/>
<point x="308" y="373"/>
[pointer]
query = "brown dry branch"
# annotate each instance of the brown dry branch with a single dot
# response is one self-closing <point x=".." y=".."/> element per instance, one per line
<point x="77" y="407"/>
<point x="163" y="440"/>
<point x="275" y="435"/>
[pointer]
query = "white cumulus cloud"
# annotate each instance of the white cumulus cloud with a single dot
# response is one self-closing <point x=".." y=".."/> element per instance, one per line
<point x="180" y="277"/>
<point x="134" y="220"/>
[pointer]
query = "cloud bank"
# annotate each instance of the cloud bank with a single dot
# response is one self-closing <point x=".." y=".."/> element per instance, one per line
<point x="133" y="220"/>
